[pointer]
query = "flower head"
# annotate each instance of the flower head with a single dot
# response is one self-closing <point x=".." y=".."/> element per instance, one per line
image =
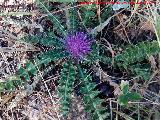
<point x="78" y="45"/>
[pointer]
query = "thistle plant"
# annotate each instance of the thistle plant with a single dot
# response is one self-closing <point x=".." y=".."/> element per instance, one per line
<point x="75" y="48"/>
<point x="78" y="45"/>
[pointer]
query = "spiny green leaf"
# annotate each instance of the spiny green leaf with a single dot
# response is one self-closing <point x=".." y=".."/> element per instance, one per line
<point x="123" y="99"/>
<point x="133" y="96"/>
<point x="66" y="83"/>
<point x="2" y="86"/>
<point x="125" y="89"/>
<point x="91" y="101"/>
<point x="9" y="85"/>
<point x="21" y="71"/>
<point x="53" y="55"/>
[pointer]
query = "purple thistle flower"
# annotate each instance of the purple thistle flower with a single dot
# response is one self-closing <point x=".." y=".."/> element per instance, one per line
<point x="77" y="45"/>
